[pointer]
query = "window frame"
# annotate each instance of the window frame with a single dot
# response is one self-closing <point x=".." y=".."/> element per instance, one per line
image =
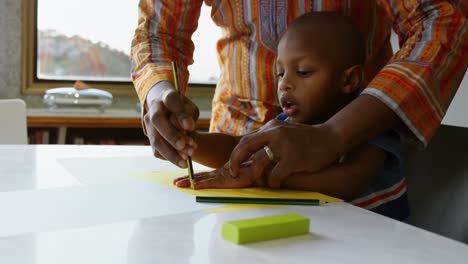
<point x="31" y="85"/>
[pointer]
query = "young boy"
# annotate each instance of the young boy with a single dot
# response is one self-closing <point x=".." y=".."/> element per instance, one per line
<point x="320" y="61"/>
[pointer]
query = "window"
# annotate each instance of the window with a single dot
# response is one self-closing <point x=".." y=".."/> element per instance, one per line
<point x="65" y="41"/>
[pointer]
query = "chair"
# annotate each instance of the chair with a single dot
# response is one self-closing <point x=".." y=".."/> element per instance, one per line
<point x="438" y="183"/>
<point x="13" y="128"/>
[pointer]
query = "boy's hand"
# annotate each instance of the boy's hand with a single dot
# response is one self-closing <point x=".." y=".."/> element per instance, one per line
<point x="221" y="179"/>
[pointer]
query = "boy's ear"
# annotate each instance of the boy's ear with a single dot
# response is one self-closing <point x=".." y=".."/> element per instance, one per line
<point x="353" y="77"/>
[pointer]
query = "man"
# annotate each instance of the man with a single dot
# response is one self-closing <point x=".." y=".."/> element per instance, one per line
<point x="408" y="91"/>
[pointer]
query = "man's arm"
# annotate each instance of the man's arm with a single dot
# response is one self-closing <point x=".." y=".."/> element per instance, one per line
<point x="163" y="34"/>
<point x="416" y="86"/>
<point x="347" y="179"/>
<point x="420" y="80"/>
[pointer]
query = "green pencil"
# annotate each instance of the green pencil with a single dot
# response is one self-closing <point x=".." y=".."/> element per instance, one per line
<point x="189" y="159"/>
<point x="252" y="200"/>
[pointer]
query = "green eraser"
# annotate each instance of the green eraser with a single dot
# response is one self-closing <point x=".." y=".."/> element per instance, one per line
<point x="265" y="228"/>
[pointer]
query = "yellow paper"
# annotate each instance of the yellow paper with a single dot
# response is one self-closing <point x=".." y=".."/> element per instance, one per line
<point x="166" y="178"/>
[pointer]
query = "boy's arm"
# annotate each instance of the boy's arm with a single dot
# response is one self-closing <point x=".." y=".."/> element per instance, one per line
<point x="347" y="179"/>
<point x="213" y="149"/>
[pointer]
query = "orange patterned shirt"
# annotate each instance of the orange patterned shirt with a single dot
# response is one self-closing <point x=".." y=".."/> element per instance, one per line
<point x="418" y="82"/>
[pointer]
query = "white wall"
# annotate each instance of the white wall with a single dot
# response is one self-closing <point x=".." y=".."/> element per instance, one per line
<point x="457" y="113"/>
<point x="10" y="48"/>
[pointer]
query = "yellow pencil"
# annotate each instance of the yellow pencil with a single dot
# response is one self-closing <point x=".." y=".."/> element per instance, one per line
<point x="189" y="159"/>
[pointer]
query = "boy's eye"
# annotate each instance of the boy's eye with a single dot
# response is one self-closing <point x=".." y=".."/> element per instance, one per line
<point x="304" y="73"/>
<point x="280" y="75"/>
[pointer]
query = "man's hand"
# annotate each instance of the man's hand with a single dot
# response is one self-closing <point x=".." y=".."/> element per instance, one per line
<point x="295" y="148"/>
<point x="168" y="119"/>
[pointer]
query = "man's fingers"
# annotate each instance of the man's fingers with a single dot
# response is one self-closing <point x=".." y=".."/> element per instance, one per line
<point x="151" y="134"/>
<point x="157" y="154"/>
<point x="260" y="162"/>
<point x="151" y="137"/>
<point x="270" y="124"/>
<point x="173" y="101"/>
<point x="190" y="144"/>
<point x="246" y="147"/>
<point x="183" y="114"/>
<point x="192" y="109"/>
<point x="168" y="152"/>
<point x="166" y="129"/>
<point x="188" y="117"/>
<point x="251" y="143"/>
<point x="278" y="174"/>
<point x="185" y="111"/>
<point x="174" y="121"/>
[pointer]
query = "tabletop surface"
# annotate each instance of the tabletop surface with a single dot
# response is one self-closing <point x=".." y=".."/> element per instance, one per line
<point x="77" y="204"/>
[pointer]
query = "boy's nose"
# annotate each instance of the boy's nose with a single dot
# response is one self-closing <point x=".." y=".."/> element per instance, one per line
<point x="285" y="84"/>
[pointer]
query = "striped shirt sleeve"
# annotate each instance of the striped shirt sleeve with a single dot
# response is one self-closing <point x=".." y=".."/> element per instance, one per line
<point x="164" y="32"/>
<point x="420" y="80"/>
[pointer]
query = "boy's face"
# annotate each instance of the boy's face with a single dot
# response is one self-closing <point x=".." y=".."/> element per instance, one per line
<point x="308" y="83"/>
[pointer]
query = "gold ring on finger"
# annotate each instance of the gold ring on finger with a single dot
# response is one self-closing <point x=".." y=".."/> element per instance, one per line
<point x="269" y="153"/>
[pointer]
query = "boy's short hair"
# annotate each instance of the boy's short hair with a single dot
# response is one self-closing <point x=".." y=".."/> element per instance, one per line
<point x="343" y="40"/>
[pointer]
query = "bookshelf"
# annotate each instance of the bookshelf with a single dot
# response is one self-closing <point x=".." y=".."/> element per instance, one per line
<point x="91" y="126"/>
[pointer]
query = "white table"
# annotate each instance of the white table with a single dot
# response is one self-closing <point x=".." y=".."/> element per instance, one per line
<point x="47" y="215"/>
